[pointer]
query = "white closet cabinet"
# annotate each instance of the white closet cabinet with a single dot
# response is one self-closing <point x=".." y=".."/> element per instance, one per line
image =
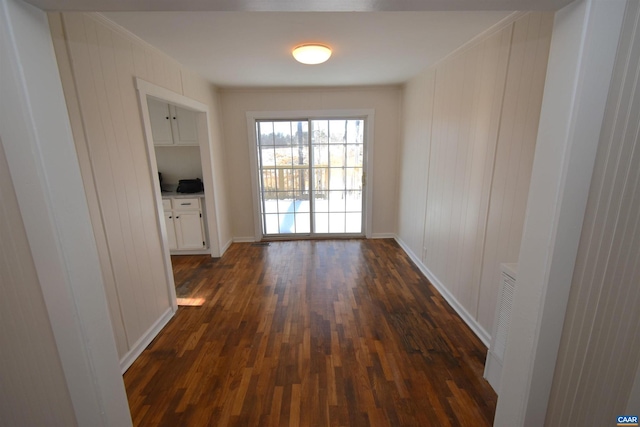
<point x="171" y="125"/>
<point x="171" y="230"/>
<point x="185" y="224"/>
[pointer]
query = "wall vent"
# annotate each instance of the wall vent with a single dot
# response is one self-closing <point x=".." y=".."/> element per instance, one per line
<point x="502" y="320"/>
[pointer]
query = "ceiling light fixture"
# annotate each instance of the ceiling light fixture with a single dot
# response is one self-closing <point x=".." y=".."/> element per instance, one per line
<point x="311" y="53"/>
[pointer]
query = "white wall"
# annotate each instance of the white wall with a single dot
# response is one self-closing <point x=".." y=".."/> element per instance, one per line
<point x="386" y="101"/>
<point x="178" y="163"/>
<point x="414" y="159"/>
<point x="584" y="42"/>
<point x="600" y="350"/>
<point x="470" y="125"/>
<point x="59" y="364"/>
<point x="98" y="63"/>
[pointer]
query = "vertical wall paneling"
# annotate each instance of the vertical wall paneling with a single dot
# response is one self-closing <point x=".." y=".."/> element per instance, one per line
<point x="483" y="125"/>
<point x="99" y="62"/>
<point x="57" y="30"/>
<point x="418" y="108"/>
<point x="467" y="106"/>
<point x="600" y="345"/>
<point x="514" y="154"/>
<point x="34" y="391"/>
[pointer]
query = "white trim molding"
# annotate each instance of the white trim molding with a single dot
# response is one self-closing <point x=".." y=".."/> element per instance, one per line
<point x="453" y="302"/>
<point x="145" y="89"/>
<point x="368" y="114"/>
<point x="140" y="345"/>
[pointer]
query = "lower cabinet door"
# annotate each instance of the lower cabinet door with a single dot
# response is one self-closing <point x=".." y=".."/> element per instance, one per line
<point x="189" y="230"/>
<point x="171" y="230"/>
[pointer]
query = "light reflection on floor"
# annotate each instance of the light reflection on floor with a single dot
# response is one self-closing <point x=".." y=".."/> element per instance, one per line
<point x="191" y="302"/>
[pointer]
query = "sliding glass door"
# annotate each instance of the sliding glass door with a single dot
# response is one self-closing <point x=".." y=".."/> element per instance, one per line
<point x="311" y="176"/>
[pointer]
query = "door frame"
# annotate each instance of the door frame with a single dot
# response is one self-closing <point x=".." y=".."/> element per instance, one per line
<point x="145" y="89"/>
<point x="367" y="114"/>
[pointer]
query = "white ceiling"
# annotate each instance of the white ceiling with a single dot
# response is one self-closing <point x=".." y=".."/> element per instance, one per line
<point x="248" y="42"/>
<point x="296" y="5"/>
<point x="244" y="49"/>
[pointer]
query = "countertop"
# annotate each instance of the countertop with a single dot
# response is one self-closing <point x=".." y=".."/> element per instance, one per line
<point x="174" y="195"/>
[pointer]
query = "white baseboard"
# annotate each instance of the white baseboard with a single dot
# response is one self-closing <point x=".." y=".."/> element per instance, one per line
<point x="453" y="302"/>
<point x="191" y="252"/>
<point x="145" y="340"/>
<point x="383" y="236"/>
<point x="226" y="246"/>
<point x="251" y="239"/>
<point x="493" y="371"/>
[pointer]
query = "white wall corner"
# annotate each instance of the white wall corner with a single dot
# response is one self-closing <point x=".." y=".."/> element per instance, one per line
<point x="37" y="139"/>
<point x="583" y="47"/>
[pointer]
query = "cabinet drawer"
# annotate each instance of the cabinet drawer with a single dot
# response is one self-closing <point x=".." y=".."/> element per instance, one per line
<point x="166" y="204"/>
<point x="186" y="204"/>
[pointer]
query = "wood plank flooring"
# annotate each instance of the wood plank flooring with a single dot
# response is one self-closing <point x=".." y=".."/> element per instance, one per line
<point x="311" y="333"/>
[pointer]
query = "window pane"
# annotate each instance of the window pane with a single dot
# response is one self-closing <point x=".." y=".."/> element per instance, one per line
<point x="284" y="156"/>
<point x="302" y="203"/>
<point x="319" y="132"/>
<point x="353" y="223"/>
<point x="337" y="131"/>
<point x="354" y="201"/>
<point x="302" y="223"/>
<point x="287" y="222"/>
<point x="321" y="155"/>
<point x="321" y="223"/>
<point x="268" y="180"/>
<point x="321" y="202"/>
<point x="300" y="154"/>
<point x="320" y="180"/>
<point x="285" y="204"/>
<point x="355" y="132"/>
<point x="282" y="133"/>
<point x="336" y="201"/>
<point x="354" y="155"/>
<point x="353" y="179"/>
<point x="336" y="179"/>
<point x="337" y="155"/>
<point x="270" y="204"/>
<point x="271" y="223"/>
<point x="267" y="157"/>
<point x="301" y="181"/>
<point x="266" y="133"/>
<point x="336" y="223"/>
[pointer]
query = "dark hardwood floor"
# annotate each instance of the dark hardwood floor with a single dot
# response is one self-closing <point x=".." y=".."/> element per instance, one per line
<point x="311" y="333"/>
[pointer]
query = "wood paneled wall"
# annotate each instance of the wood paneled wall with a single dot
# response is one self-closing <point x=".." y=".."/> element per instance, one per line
<point x="467" y="156"/>
<point x="34" y="390"/>
<point x="600" y="350"/>
<point x="98" y="64"/>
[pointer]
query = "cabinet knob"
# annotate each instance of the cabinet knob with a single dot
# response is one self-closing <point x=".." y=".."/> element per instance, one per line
<point x="174" y="118"/>
<point x="177" y="217"/>
<point x="170" y="217"/>
<point x="167" y="118"/>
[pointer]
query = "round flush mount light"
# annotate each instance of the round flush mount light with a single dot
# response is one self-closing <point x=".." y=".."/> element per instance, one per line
<point x="311" y="53"/>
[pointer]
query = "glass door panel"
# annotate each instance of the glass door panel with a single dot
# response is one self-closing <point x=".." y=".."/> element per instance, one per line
<point x="338" y="147"/>
<point x="310" y="176"/>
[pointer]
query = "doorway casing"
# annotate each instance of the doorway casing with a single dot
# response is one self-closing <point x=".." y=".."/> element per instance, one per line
<point x="366" y="114"/>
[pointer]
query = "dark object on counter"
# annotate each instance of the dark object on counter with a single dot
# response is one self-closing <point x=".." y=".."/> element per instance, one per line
<point x="190" y="186"/>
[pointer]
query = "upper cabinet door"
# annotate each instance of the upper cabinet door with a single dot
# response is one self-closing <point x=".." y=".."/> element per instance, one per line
<point x="161" y="120"/>
<point x="184" y="126"/>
